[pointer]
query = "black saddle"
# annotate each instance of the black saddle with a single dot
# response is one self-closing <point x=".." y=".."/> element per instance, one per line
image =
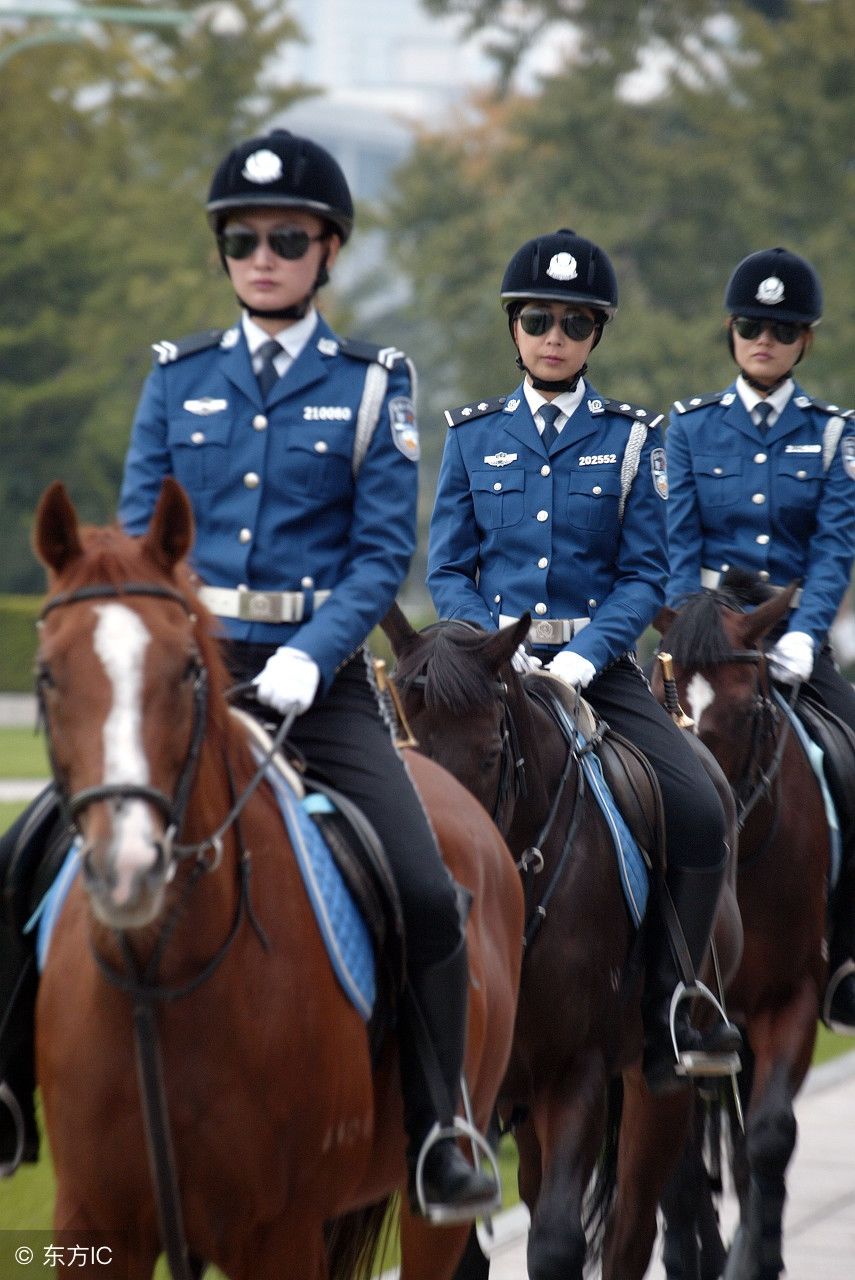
<point x="837" y="742"/>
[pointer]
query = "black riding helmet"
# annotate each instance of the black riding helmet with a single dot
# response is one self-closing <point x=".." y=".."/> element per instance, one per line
<point x="280" y="170"/>
<point x="560" y="267"/>
<point x="774" y="284"/>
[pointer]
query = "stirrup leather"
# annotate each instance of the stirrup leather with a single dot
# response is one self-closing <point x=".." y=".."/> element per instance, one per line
<point x="694" y="1062"/>
<point x="842" y="971"/>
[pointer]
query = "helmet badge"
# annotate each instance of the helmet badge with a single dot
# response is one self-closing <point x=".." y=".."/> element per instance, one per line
<point x="562" y="266"/>
<point x="770" y="291"/>
<point x="263" y="166"/>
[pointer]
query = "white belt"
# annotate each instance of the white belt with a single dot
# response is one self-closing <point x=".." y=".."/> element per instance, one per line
<point x="549" y="631"/>
<point x="711" y="579"/>
<point x="260" y="606"/>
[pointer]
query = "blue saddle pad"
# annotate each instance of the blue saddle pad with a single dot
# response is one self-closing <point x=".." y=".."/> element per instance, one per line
<point x="634" y="877"/>
<point x="342" y="927"/>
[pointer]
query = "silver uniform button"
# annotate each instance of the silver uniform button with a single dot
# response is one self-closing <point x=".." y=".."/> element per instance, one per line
<point x="252" y="480"/>
<point x="545" y="470"/>
<point x="542" y="562"/>
<point x="321" y="446"/>
<point x="717" y="471"/>
<point x="764" y="575"/>
<point x="198" y="437"/>
<point x="760" y="457"/>
<point x="540" y="608"/>
<point x="307" y="583"/>
<point x="542" y="515"/>
<point x="497" y="599"/>
<point x="245" y="535"/>
<point x="762" y="539"/>
<point x="592" y="604"/>
<point x="801" y="475"/>
<point x="259" y="422"/>
<point x="597" y="489"/>
<point x="758" y="499"/>
<point x="497" y="486"/>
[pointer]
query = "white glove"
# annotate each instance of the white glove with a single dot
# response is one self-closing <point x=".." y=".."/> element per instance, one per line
<point x="791" y="659"/>
<point x="289" y="681"/>
<point x="572" y="668"/>
<point x="523" y="662"/>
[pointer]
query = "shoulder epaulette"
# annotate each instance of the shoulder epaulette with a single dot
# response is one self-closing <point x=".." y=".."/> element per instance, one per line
<point x="454" y="417"/>
<point x="698" y="402"/>
<point x="808" y="402"/>
<point x="166" y="352"/>
<point x="600" y="405"/>
<point x="370" y="352"/>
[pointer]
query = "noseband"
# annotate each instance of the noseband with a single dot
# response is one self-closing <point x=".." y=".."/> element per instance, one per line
<point x="172" y="808"/>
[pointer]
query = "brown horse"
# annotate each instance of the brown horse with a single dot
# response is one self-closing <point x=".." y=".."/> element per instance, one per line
<point x="578" y="1024"/>
<point x="273" y="1122"/>
<point x="783" y="869"/>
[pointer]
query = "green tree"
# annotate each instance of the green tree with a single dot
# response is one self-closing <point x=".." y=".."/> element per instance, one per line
<point x="108" y="149"/>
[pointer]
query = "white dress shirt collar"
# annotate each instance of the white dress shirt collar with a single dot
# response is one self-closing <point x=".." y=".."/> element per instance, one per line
<point x="568" y="402"/>
<point x="292" y="339"/>
<point x="777" y="398"/>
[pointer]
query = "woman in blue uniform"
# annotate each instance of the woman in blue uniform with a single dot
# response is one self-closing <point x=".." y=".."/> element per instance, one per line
<point x="551" y="500"/>
<point x="763" y="480"/>
<point x="298" y="450"/>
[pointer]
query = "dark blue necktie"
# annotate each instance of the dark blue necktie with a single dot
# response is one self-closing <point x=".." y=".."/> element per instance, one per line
<point x="549" y="412"/>
<point x="267" y="374"/>
<point x="761" y="414"/>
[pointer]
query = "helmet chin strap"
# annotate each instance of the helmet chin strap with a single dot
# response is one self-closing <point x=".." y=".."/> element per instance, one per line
<point x="297" y="310"/>
<point x="559" y="384"/>
<point x="764" y="387"/>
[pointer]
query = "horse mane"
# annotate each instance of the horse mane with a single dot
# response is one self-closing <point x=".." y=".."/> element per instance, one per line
<point x="446" y="658"/>
<point x="696" y="637"/>
<point x="113" y="557"/>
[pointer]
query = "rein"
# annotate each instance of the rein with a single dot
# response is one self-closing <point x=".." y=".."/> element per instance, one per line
<point x="764" y="722"/>
<point x="140" y="982"/>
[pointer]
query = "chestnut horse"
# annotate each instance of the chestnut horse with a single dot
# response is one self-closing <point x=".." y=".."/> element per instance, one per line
<point x="578" y="1025"/>
<point x="783" y="870"/>
<point x="273" y="1122"/>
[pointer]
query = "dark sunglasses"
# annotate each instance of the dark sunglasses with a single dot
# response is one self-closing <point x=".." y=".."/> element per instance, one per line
<point x="782" y="330"/>
<point x="288" y="242"/>
<point x="538" y="320"/>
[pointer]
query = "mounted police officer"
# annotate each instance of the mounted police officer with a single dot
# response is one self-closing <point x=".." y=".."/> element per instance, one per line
<point x="552" y="500"/>
<point x="298" y="450"/>
<point x="763" y="481"/>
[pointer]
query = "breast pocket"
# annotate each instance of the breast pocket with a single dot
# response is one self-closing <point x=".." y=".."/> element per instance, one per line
<point x="593" y="498"/>
<point x="799" y="482"/>
<point x="718" y="480"/>
<point x="498" y="497"/>
<point x="199" y="448"/>
<point x="320" y="462"/>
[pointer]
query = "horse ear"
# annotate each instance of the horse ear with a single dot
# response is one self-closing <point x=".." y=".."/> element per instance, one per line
<point x="56" y="533"/>
<point x="170" y="534"/>
<point x="664" y="619"/>
<point x="397" y="629"/>
<point x="752" y="627"/>
<point x="502" y="646"/>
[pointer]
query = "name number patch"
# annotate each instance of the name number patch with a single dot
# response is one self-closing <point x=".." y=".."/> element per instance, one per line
<point x="327" y="413"/>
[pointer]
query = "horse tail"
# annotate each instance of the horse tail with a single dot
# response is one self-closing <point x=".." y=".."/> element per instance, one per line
<point x="601" y="1193"/>
<point x="356" y="1240"/>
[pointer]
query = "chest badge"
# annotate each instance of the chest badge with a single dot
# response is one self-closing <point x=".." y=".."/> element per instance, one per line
<point x="659" y="471"/>
<point x="500" y="459"/>
<point x="847" y="453"/>
<point x="205" y="405"/>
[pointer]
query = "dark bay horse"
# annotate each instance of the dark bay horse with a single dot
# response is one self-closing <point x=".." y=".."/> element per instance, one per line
<point x="578" y="1024"/>
<point x="273" y="1121"/>
<point x="782" y="882"/>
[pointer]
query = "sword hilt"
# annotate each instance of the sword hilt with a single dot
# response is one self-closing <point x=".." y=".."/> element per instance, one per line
<point x="392" y="704"/>
<point x="672" y="702"/>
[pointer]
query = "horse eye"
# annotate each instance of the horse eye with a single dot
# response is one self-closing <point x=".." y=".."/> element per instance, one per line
<point x="191" y="670"/>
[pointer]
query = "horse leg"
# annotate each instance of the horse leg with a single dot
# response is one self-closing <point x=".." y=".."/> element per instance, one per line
<point x="770" y="1135"/>
<point x="693" y="1248"/>
<point x="652" y="1135"/>
<point x="132" y="1256"/>
<point x="569" y="1121"/>
<point x="429" y="1253"/>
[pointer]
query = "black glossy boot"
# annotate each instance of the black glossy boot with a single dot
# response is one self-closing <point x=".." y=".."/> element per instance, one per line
<point x="713" y="1052"/>
<point x="442" y="1184"/>
<point x="838" y="1006"/>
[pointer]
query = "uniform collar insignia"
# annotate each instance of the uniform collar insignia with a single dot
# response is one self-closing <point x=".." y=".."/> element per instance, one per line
<point x="512" y="406"/>
<point x="230" y="338"/>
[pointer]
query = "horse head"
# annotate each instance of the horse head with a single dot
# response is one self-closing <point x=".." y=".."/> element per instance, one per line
<point x="457" y="683"/>
<point x="720" y="669"/>
<point x="121" y="674"/>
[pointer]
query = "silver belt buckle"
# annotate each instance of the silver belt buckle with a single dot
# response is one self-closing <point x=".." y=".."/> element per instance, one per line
<point x="549" y="631"/>
<point x="261" y="606"/>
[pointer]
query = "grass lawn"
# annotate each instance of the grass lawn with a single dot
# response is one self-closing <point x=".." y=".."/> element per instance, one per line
<point x="22" y="753"/>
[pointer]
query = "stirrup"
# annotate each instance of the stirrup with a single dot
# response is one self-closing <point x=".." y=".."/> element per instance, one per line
<point x="842" y="971"/>
<point x="8" y="1099"/>
<point x="444" y="1214"/>
<point x="695" y="1062"/>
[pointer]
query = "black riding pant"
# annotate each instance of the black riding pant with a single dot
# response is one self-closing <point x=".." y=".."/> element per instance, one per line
<point x="832" y="688"/>
<point x="694" y="817"/>
<point x="348" y="744"/>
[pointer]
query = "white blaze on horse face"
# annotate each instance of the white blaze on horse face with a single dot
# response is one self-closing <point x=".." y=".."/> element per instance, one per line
<point x="701" y="695"/>
<point x="121" y="640"/>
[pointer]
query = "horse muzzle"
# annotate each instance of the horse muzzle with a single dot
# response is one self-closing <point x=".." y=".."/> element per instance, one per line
<point x="126" y="874"/>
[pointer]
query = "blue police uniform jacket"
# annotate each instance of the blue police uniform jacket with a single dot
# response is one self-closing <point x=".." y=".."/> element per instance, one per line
<point x="272" y="485"/>
<point x="517" y="529"/>
<point x="766" y="501"/>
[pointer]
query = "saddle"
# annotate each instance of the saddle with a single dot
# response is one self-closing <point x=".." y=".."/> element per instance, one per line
<point x="837" y="742"/>
<point x="39" y="852"/>
<point x="627" y="772"/>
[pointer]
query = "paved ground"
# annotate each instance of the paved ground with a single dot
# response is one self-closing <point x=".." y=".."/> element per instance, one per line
<point x="819" y="1223"/>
